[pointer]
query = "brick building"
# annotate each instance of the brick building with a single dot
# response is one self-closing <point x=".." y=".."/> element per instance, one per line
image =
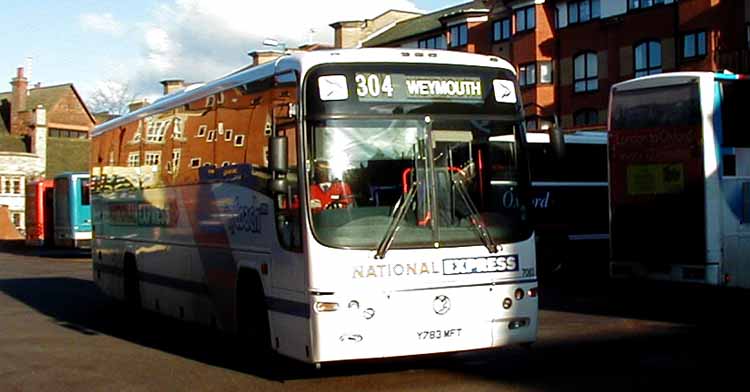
<point x="43" y="132"/>
<point x="569" y="52"/>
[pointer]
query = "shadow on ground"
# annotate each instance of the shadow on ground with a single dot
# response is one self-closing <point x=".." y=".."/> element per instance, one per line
<point x="20" y="248"/>
<point x="636" y="360"/>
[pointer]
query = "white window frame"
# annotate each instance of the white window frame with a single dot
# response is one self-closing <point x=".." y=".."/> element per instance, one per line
<point x="195" y="163"/>
<point x="20" y="216"/>
<point x="178" y="131"/>
<point x="225" y="164"/>
<point x="134" y="159"/>
<point x="176" y="155"/>
<point x="241" y="139"/>
<point x="152" y="158"/>
<point x="12" y="185"/>
<point x="211" y="137"/>
<point x="202" y="129"/>
<point x="156" y="131"/>
<point x="210" y="101"/>
<point x="228" y="135"/>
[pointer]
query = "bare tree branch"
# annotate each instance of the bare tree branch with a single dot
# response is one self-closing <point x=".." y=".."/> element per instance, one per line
<point x="111" y="97"/>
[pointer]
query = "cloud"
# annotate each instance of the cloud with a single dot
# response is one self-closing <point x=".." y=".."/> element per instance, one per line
<point x="101" y="23"/>
<point x="198" y="40"/>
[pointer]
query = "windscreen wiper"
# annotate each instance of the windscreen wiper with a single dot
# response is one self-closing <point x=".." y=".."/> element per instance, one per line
<point x="396" y="219"/>
<point x="474" y="218"/>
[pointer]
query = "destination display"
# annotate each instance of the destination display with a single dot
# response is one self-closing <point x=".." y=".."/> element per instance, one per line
<point x="396" y="87"/>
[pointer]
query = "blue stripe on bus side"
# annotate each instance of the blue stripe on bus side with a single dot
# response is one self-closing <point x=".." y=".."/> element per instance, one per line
<point x="280" y="305"/>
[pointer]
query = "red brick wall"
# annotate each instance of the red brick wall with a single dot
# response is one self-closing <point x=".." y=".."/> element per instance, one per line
<point x="69" y="110"/>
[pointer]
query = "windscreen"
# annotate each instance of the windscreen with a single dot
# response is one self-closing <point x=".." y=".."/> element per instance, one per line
<point x="419" y="160"/>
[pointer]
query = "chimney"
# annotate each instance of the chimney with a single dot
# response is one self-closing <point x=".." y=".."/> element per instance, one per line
<point x="18" y="102"/>
<point x="172" y="85"/>
<point x="39" y="136"/>
<point x="135" y="105"/>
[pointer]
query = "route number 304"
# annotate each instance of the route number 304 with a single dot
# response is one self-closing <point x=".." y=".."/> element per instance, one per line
<point x="373" y="85"/>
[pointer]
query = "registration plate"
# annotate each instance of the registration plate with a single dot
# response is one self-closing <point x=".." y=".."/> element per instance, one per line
<point x="436" y="334"/>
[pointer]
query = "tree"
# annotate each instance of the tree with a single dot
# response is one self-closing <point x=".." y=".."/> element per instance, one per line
<point x="111" y="97"/>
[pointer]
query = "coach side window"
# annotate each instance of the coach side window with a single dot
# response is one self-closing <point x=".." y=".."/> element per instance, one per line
<point x="735" y="138"/>
<point x="284" y="126"/>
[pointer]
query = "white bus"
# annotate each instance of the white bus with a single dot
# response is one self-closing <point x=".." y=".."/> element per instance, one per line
<point x="334" y="205"/>
<point x="679" y="156"/>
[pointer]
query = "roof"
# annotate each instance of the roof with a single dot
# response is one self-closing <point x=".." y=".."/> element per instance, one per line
<point x="48" y="96"/>
<point x="12" y="143"/>
<point x="66" y="155"/>
<point x="415" y="26"/>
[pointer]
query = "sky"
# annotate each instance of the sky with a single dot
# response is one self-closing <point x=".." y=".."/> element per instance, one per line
<point x="106" y="44"/>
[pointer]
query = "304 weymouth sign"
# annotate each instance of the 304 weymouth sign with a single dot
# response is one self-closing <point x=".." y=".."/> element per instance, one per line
<point x="399" y="87"/>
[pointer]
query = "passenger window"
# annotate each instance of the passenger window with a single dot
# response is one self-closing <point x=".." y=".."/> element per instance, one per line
<point x="284" y="124"/>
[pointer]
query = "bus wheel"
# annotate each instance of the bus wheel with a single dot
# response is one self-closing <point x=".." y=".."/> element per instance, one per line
<point x="252" y="315"/>
<point x="131" y="285"/>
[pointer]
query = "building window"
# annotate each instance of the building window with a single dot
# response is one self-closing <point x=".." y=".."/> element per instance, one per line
<point x="525" y="19"/>
<point x="17" y="218"/>
<point x="201" y="131"/>
<point x="156" y="130"/>
<point x="228" y="135"/>
<point x="636" y="4"/>
<point x="195" y="163"/>
<point x="501" y="30"/>
<point x="17" y="186"/>
<point x="436" y="42"/>
<point x="67" y="133"/>
<point x="535" y="123"/>
<point x="583" y="11"/>
<point x="176" y="154"/>
<point x="648" y="58"/>
<point x="152" y="158"/>
<point x="585" y="117"/>
<point x="527" y="75"/>
<point x="12" y="185"/>
<point x="221" y="98"/>
<point x="694" y="45"/>
<point x="545" y="72"/>
<point x="586" y="72"/>
<point x="459" y="35"/>
<point x="210" y="101"/>
<point x="225" y="164"/>
<point x="134" y="159"/>
<point x="211" y="136"/>
<point x="239" y="140"/>
<point x="177" y="131"/>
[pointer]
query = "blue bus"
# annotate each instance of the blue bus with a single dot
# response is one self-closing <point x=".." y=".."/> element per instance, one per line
<point x="72" y="210"/>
